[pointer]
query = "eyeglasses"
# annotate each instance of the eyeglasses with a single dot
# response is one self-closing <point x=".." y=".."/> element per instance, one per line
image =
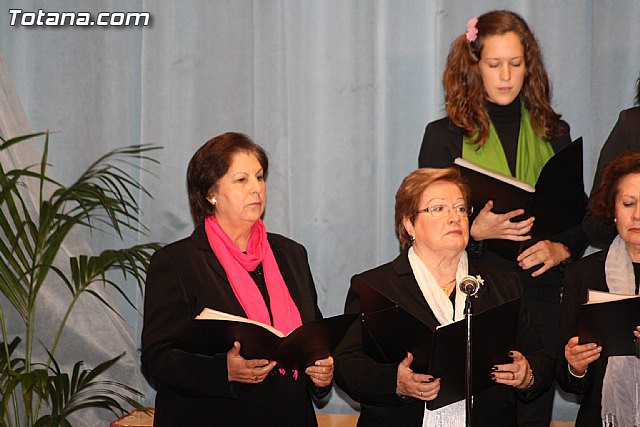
<point x="439" y="211"/>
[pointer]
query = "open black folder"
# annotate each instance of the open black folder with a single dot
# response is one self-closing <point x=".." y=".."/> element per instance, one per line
<point x="609" y="320"/>
<point x="389" y="332"/>
<point x="301" y="348"/>
<point x="557" y="201"/>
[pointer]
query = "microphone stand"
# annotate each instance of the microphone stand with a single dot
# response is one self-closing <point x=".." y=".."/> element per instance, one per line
<point x="467" y="368"/>
<point x="470" y="286"/>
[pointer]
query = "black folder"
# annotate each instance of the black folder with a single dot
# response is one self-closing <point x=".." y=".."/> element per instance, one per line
<point x="610" y="324"/>
<point x="557" y="201"/>
<point x="311" y="341"/>
<point x="389" y="332"/>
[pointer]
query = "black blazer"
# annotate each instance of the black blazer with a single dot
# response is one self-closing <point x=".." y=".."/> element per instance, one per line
<point x="624" y="137"/>
<point x="193" y="389"/>
<point x="374" y="384"/>
<point x="588" y="273"/>
<point x="442" y="144"/>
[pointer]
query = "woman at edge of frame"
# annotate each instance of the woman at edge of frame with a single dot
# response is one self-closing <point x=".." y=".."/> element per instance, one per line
<point x="624" y="137"/>
<point x="610" y="385"/>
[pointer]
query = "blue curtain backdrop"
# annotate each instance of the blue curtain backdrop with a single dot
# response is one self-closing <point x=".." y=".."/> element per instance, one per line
<point x="338" y="92"/>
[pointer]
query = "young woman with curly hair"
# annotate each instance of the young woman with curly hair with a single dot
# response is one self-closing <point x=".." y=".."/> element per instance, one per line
<point x="498" y="102"/>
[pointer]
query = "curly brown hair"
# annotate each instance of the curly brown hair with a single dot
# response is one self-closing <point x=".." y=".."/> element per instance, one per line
<point x="602" y="203"/>
<point x="464" y="92"/>
<point x="411" y="189"/>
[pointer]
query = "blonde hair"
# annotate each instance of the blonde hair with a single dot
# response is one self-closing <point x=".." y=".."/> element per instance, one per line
<point x="411" y="189"/>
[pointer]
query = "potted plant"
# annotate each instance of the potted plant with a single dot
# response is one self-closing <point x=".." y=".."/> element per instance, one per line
<point x="37" y="213"/>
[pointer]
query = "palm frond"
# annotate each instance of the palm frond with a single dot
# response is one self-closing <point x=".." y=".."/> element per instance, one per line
<point x="131" y="262"/>
<point x="37" y="213"/>
<point x="53" y="421"/>
<point x="85" y="390"/>
<point x="8" y="143"/>
<point x="6" y="362"/>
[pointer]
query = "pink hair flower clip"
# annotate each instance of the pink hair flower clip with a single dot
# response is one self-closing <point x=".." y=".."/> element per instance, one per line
<point x="472" y="31"/>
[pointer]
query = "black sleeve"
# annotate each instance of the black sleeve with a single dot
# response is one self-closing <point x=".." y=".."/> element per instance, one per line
<point x="621" y="139"/>
<point x="599" y="232"/>
<point x="572" y="297"/>
<point x="506" y="286"/>
<point x="363" y="379"/>
<point x="441" y="144"/>
<point x="317" y="393"/>
<point x="540" y="361"/>
<point x="166" y="312"/>
<point x="573" y="238"/>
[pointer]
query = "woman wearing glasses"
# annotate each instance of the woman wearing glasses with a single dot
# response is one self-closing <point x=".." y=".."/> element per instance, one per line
<point x="431" y="218"/>
<point x="499" y="116"/>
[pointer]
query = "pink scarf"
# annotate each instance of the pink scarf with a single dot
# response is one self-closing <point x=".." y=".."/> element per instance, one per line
<point x="237" y="264"/>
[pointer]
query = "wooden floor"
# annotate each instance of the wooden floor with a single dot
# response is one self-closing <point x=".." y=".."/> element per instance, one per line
<point x="140" y="418"/>
<point x="337" y="420"/>
<point x="350" y="420"/>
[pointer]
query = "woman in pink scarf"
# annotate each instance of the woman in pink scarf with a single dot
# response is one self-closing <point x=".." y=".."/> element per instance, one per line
<point x="230" y="264"/>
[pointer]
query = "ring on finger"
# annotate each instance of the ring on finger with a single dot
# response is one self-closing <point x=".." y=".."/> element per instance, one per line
<point x="513" y="376"/>
<point x="255" y="378"/>
<point x="421" y="394"/>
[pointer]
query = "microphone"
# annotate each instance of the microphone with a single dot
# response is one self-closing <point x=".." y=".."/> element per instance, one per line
<point x="469" y="285"/>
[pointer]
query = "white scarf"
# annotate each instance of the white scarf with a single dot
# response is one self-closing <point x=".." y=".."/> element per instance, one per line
<point x="621" y="383"/>
<point x="452" y="415"/>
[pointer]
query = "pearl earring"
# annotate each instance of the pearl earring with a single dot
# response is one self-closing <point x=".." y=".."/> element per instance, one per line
<point x="212" y="200"/>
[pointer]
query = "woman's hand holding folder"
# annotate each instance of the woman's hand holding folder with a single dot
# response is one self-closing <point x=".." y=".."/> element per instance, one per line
<point x="489" y="225"/>
<point x="412" y="384"/>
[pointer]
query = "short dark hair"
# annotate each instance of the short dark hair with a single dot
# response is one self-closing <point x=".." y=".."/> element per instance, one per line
<point x="603" y="201"/>
<point x="210" y="163"/>
<point x="411" y="189"/>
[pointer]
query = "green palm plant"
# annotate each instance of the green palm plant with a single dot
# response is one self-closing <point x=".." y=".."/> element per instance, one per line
<point x="37" y="392"/>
